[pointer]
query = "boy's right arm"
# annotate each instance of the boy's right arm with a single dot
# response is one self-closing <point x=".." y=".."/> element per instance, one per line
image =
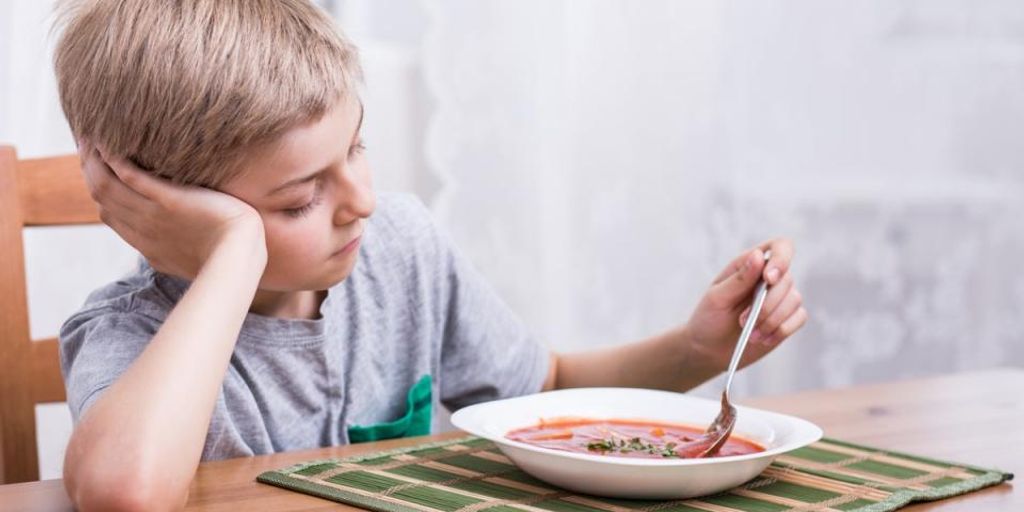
<point x="137" y="447"/>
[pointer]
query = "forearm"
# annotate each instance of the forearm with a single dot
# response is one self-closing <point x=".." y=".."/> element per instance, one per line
<point x="667" y="361"/>
<point x="149" y="427"/>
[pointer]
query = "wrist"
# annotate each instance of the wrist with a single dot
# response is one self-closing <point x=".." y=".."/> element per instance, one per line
<point x="694" y="357"/>
<point x="241" y="248"/>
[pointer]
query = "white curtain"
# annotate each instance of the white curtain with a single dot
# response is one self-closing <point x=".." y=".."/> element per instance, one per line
<point x="600" y="160"/>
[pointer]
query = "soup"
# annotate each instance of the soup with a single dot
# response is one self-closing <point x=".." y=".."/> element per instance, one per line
<point x="625" y="438"/>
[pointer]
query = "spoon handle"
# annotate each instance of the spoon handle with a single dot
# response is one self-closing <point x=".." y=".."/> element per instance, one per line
<point x="748" y="327"/>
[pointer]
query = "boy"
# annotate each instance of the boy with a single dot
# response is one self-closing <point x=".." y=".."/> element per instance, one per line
<point x="221" y="138"/>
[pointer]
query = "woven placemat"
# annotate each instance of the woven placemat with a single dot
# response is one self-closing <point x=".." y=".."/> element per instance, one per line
<point x="470" y="475"/>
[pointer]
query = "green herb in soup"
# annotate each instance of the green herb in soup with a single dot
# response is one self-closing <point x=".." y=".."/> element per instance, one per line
<point x="625" y="438"/>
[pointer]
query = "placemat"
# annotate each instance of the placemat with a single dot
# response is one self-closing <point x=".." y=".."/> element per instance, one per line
<point x="470" y="475"/>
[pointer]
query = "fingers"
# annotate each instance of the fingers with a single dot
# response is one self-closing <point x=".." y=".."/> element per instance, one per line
<point x="788" y="327"/>
<point x="736" y="286"/>
<point x="783" y="312"/>
<point x="104" y="186"/>
<point x="778" y="266"/>
<point x="788" y="307"/>
<point x="135" y="178"/>
<point x="775" y="296"/>
<point x="782" y="256"/>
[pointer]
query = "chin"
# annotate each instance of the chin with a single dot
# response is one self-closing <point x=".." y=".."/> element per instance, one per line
<point x="331" y="276"/>
<point x="293" y="283"/>
<point x="332" y="280"/>
<point x="300" y="276"/>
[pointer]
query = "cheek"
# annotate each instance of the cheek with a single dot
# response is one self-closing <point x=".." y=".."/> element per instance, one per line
<point x="294" y="246"/>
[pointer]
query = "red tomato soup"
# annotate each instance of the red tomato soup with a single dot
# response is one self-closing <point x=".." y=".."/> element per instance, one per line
<point x="623" y="438"/>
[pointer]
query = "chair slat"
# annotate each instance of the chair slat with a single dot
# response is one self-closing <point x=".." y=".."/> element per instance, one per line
<point x="47" y="383"/>
<point x="18" y="457"/>
<point x="53" y="192"/>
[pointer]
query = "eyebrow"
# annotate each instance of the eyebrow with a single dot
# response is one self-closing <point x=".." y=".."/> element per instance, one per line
<point x="312" y="176"/>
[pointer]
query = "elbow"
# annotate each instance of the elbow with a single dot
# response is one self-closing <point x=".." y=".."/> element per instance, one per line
<point x="123" y="488"/>
<point x="116" y="501"/>
<point x="131" y="495"/>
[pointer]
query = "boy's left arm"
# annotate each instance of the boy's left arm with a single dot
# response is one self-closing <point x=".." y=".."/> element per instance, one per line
<point x="688" y="355"/>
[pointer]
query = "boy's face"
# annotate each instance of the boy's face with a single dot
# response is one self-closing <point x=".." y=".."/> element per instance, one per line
<point x="312" y="188"/>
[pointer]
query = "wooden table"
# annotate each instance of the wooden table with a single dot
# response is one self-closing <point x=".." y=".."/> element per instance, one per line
<point x="975" y="418"/>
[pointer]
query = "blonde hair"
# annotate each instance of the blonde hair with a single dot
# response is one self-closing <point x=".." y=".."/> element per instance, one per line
<point x="183" y="88"/>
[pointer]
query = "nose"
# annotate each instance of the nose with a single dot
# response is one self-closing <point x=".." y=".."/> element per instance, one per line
<point x="356" y="198"/>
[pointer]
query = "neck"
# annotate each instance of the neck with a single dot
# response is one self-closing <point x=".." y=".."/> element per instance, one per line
<point x="301" y="304"/>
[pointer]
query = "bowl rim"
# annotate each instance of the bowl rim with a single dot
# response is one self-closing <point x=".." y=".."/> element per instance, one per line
<point x="811" y="433"/>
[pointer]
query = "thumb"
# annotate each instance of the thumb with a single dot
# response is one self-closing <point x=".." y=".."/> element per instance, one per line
<point x="734" y="289"/>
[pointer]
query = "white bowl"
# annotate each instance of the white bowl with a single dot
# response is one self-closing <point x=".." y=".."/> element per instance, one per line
<point x="637" y="478"/>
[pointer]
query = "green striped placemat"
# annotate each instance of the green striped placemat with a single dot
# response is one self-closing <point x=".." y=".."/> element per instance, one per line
<point x="470" y="474"/>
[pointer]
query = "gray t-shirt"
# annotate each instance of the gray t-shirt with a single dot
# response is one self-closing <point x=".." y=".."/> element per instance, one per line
<point x="413" y="307"/>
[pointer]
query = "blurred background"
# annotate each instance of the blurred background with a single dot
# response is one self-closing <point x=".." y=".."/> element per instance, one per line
<point x="600" y="161"/>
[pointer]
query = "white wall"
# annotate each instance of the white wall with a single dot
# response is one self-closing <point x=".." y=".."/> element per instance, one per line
<point x="600" y="160"/>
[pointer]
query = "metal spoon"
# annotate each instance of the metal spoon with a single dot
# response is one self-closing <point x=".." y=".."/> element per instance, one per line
<point x="718" y="432"/>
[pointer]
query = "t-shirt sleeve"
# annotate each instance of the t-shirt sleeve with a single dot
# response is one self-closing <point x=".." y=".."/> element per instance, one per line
<point x="487" y="352"/>
<point x="96" y="347"/>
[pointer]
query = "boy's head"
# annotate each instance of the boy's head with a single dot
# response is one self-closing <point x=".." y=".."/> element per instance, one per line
<point x="242" y="96"/>
<point x="184" y="88"/>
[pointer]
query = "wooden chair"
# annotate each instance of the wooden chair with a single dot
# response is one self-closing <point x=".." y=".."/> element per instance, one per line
<point x="34" y="192"/>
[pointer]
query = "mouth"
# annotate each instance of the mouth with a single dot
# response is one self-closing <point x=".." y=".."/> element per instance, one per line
<point x="349" y="247"/>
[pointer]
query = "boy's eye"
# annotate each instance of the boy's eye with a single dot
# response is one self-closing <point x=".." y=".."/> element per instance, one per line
<point x="301" y="211"/>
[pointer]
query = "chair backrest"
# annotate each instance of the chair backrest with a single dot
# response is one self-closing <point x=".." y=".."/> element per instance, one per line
<point x="33" y="192"/>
